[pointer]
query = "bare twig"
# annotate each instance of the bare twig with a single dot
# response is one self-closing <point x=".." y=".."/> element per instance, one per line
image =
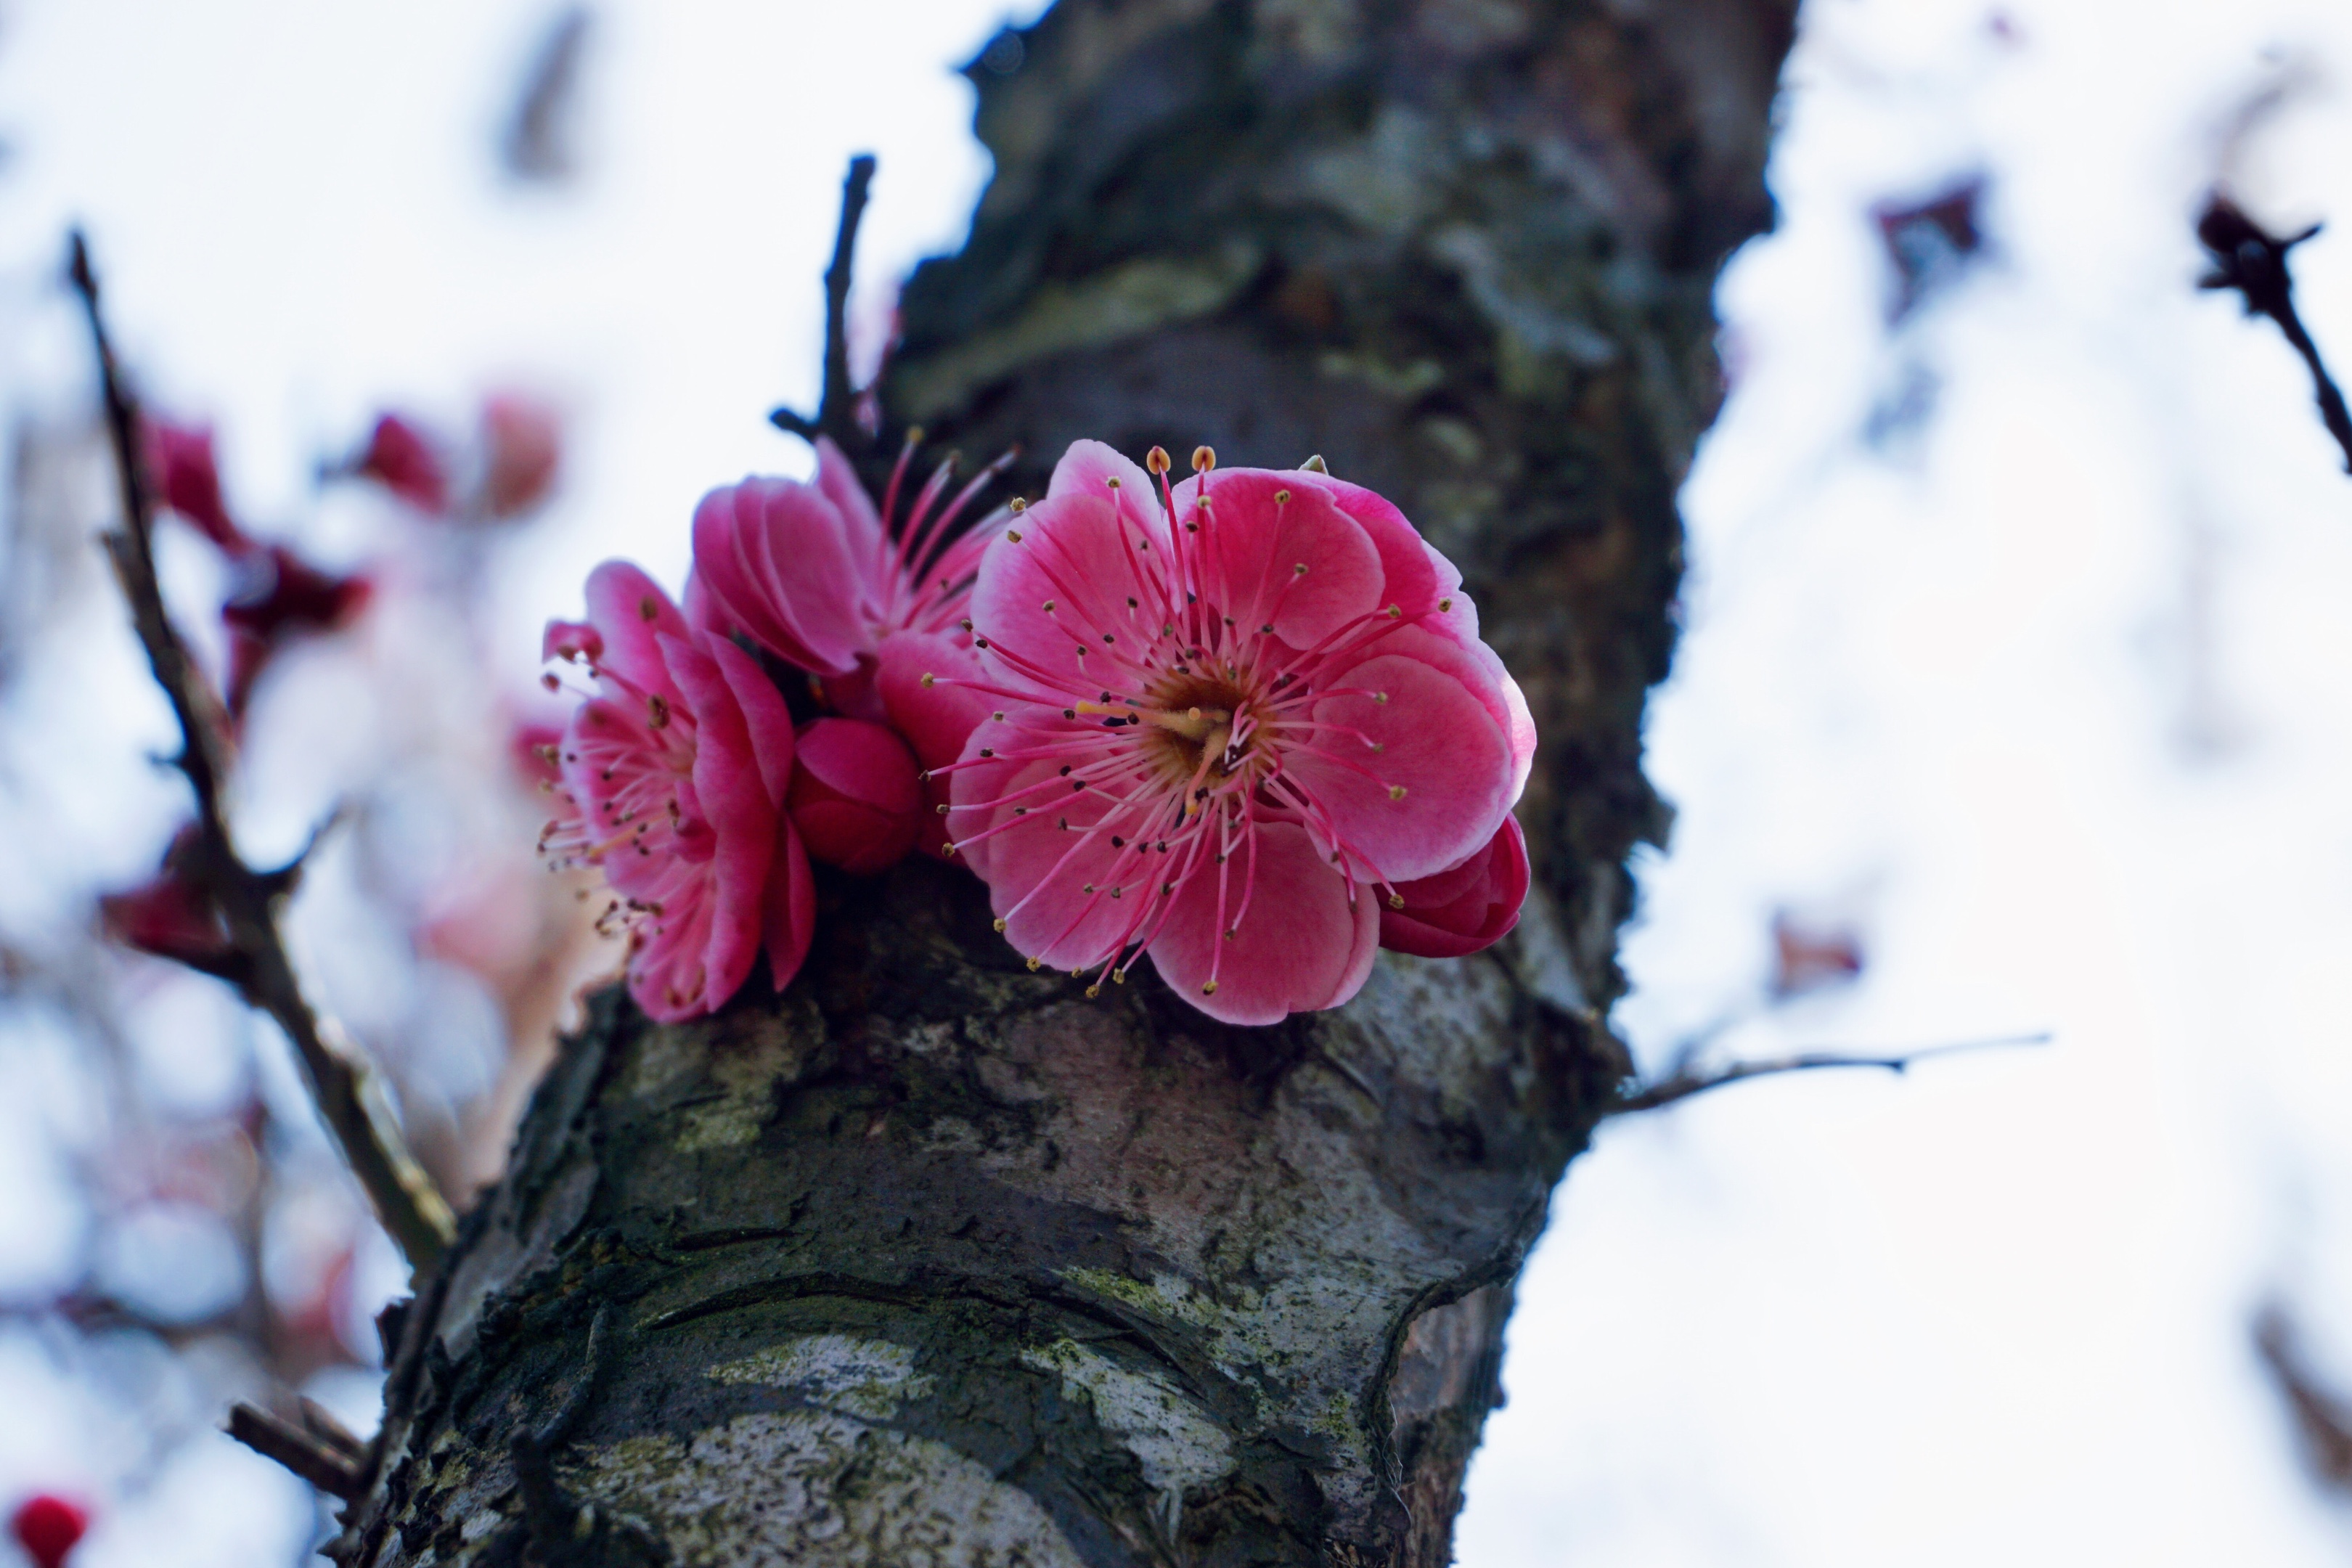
<point x="347" y="1095"/>
<point x="2252" y="261"/>
<point x="320" y="1460"/>
<point x="1683" y="1082"/>
<point x="836" y="411"/>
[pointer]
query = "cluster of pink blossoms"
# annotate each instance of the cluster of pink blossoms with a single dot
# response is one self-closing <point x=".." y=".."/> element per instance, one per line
<point x="1244" y="724"/>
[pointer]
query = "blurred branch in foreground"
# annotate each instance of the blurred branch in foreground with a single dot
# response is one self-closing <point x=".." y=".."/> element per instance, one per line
<point x="231" y="907"/>
<point x="2323" y="1421"/>
<point x="1688" y="1079"/>
<point x="2249" y="260"/>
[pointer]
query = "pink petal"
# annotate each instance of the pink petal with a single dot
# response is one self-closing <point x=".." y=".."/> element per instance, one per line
<point x="776" y="558"/>
<point x="632" y="613"/>
<point x="766" y="715"/>
<point x="1480" y="669"/>
<point x="1070" y="555"/>
<point x="1087" y="468"/>
<point x="1257" y="543"/>
<point x="1465" y="910"/>
<point x="1300" y="946"/>
<point x="1413" y="576"/>
<point x="854" y="799"/>
<point x="1440" y="745"/>
<point x="836" y="480"/>
<point x="733" y="798"/>
<point x="790" y="908"/>
<point x="1040" y="873"/>
<point x="935" y="719"/>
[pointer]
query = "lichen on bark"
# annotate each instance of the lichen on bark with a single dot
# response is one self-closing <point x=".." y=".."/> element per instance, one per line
<point x="934" y="1259"/>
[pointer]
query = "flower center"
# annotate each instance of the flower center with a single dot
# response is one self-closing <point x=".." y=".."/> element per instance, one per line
<point x="1201" y="731"/>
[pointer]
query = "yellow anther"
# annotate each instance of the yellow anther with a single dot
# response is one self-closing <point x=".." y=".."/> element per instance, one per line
<point x="1396" y="791"/>
<point x="1380" y="696"/>
<point x="1094" y="991"/>
<point x="1013" y="534"/>
<point x="1049" y="606"/>
<point x="1209" y="989"/>
<point x="1157" y="460"/>
<point x="1443" y="605"/>
<point x="1000" y="920"/>
<point x="1033" y="965"/>
<point x="1396" y="902"/>
<point x="1203" y="459"/>
<point x="1019" y="506"/>
<point x="928" y="678"/>
<point x="1282" y="498"/>
<point x="1300" y="570"/>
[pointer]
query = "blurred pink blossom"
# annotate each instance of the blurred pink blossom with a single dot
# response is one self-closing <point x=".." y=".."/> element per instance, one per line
<point x="400" y="456"/>
<point x="48" y="1527"/>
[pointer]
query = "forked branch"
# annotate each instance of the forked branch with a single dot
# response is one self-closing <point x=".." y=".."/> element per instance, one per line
<point x="347" y="1095"/>
<point x="2252" y="261"/>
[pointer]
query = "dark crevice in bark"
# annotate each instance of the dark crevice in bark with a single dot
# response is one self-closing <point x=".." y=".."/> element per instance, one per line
<point x="933" y="1258"/>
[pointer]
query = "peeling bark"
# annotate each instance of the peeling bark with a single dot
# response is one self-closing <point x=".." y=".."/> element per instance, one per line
<point x="932" y="1260"/>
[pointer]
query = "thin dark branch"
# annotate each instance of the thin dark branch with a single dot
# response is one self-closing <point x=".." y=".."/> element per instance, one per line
<point x="1686" y="1082"/>
<point x="836" y="411"/>
<point x="348" y="1098"/>
<point x="316" y="1460"/>
<point x="2252" y="261"/>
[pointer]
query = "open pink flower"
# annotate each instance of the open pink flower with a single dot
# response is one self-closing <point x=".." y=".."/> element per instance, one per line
<point x="1220" y="728"/>
<point x="673" y="776"/>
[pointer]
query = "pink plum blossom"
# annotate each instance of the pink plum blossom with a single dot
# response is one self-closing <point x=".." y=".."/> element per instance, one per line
<point x="186" y="481"/>
<point x="673" y="777"/>
<point x="866" y="604"/>
<point x="48" y="1527"/>
<point x="1463" y="911"/>
<point x="853" y="797"/>
<point x="1227" y="732"/>
<point x="403" y="459"/>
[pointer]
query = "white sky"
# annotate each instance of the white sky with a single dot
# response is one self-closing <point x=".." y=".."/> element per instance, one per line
<point x="2051" y="696"/>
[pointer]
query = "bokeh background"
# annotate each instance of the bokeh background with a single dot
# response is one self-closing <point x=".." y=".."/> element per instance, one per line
<point x="2015" y="696"/>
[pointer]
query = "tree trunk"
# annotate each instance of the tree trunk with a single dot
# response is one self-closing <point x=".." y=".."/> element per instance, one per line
<point x="932" y="1259"/>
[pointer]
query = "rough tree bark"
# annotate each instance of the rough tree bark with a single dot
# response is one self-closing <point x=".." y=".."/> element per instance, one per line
<point x="933" y="1260"/>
